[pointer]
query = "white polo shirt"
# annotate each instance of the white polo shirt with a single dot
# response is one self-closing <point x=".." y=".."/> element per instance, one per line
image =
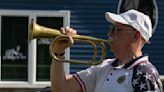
<point x="139" y="75"/>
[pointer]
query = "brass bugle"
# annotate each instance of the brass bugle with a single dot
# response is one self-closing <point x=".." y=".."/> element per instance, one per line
<point x="38" y="31"/>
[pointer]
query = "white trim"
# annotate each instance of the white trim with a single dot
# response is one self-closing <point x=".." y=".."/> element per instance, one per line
<point x="67" y="51"/>
<point x="119" y="5"/>
<point x="0" y="49"/>
<point x="32" y="53"/>
<point x="16" y="84"/>
<point x="32" y="47"/>
<point x="162" y="77"/>
<point x="156" y="21"/>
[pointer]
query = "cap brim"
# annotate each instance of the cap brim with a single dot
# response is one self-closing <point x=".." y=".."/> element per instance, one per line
<point x="113" y="18"/>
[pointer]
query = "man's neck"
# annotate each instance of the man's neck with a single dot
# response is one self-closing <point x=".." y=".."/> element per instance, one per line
<point x="126" y="58"/>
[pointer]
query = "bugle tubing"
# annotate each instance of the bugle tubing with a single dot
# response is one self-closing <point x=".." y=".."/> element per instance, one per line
<point x="38" y="31"/>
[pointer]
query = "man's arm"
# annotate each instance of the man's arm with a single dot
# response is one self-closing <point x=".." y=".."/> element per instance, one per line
<point x="146" y="79"/>
<point x="59" y="81"/>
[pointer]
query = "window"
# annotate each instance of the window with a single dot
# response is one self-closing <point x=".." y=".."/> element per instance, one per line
<point x="14" y="48"/>
<point x="43" y="47"/>
<point x="26" y="63"/>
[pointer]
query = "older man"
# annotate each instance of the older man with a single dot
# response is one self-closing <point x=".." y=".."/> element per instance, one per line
<point x="130" y="71"/>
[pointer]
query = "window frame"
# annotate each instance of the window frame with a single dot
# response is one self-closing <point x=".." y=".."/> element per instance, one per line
<point x="32" y="47"/>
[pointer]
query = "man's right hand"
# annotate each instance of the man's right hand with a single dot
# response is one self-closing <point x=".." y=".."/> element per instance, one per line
<point x="61" y="45"/>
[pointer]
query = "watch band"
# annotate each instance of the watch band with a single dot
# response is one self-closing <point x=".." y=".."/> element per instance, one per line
<point x="59" y="54"/>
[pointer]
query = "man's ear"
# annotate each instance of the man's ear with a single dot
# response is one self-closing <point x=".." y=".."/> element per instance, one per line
<point x="137" y="36"/>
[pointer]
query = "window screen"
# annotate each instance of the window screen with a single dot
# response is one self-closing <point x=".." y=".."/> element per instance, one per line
<point x="14" y="49"/>
<point x="43" y="57"/>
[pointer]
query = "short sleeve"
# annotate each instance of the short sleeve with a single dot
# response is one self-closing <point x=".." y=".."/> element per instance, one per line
<point x="87" y="79"/>
<point x="146" y="79"/>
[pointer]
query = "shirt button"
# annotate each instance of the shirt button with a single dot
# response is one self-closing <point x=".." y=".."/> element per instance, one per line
<point x="107" y="79"/>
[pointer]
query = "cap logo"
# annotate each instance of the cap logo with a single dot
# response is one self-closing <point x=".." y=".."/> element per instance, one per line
<point x="132" y="16"/>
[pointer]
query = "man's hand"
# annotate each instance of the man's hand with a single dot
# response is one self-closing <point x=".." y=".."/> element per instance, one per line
<point x="62" y="44"/>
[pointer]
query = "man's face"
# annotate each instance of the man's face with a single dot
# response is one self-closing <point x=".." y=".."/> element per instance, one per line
<point x="122" y="37"/>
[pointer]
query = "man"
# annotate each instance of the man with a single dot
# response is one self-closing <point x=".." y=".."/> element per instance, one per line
<point x="130" y="71"/>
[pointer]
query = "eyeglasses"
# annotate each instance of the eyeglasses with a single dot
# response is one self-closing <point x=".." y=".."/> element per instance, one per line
<point x="115" y="29"/>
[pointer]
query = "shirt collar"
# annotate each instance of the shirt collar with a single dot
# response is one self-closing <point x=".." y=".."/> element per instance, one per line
<point x="131" y="64"/>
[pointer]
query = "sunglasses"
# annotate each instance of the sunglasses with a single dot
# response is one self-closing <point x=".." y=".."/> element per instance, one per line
<point x="115" y="29"/>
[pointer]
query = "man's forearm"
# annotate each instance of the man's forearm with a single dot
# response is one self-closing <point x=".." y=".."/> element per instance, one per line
<point x="58" y="78"/>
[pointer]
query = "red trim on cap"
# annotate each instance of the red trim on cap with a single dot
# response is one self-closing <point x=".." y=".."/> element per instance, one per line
<point x="82" y="85"/>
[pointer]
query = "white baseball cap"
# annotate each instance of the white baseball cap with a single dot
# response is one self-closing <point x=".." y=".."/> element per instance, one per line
<point x="137" y="20"/>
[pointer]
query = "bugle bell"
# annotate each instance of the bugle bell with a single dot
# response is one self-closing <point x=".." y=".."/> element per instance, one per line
<point x="38" y="31"/>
